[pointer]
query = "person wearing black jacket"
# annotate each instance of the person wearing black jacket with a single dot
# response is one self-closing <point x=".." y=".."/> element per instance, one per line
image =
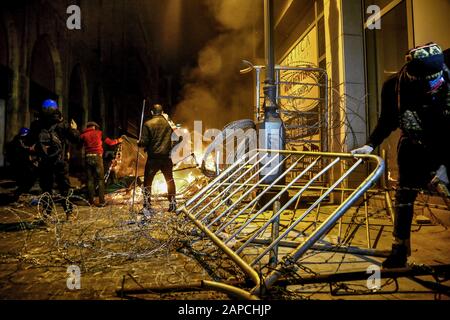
<point x="52" y="135"/>
<point x="157" y="141"/>
<point x="416" y="100"/>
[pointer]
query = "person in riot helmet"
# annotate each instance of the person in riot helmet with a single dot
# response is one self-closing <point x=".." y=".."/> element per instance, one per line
<point x="52" y="135"/>
<point x="21" y="157"/>
<point x="157" y="141"/>
<point x="416" y="100"/>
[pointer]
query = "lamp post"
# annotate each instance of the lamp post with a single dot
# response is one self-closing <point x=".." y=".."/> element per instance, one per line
<point x="273" y="128"/>
<point x="273" y="134"/>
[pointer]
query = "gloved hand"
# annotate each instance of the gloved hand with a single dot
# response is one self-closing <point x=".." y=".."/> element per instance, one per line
<point x="73" y="125"/>
<point x="363" y="150"/>
<point x="441" y="175"/>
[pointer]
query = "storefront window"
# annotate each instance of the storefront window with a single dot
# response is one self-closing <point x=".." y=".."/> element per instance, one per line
<point x="385" y="50"/>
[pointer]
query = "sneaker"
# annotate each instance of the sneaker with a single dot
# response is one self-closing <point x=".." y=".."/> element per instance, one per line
<point x="397" y="258"/>
<point x="172" y="206"/>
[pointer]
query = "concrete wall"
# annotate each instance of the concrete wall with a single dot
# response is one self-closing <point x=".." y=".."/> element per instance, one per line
<point x="431" y="22"/>
<point x="345" y="66"/>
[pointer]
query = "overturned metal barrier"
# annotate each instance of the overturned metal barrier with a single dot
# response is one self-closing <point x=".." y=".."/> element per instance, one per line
<point x="233" y="210"/>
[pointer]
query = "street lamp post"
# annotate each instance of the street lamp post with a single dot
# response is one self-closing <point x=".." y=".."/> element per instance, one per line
<point x="273" y="128"/>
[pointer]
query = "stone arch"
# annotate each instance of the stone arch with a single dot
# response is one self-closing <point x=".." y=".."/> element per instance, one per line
<point x="45" y="73"/>
<point x="98" y="108"/>
<point x="9" y="81"/>
<point x="78" y="96"/>
<point x="11" y="36"/>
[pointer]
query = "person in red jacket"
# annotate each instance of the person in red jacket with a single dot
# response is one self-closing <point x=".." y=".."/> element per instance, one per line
<point x="92" y="138"/>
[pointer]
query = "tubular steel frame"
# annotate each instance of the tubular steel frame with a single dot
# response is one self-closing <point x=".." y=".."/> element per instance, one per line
<point x="223" y="205"/>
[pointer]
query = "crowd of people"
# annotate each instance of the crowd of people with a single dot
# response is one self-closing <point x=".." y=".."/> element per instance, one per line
<point x="41" y="153"/>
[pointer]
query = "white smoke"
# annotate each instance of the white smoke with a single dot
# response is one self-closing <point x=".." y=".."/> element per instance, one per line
<point x="214" y="91"/>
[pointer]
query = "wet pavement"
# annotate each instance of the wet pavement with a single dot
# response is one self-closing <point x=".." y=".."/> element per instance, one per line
<point x="114" y="248"/>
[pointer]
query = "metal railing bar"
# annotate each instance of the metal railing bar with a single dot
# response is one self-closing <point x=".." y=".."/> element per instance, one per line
<point x="340" y="221"/>
<point x="315" y="188"/>
<point x="308" y="211"/>
<point x="366" y="214"/>
<point x="244" y="184"/>
<point x="269" y="202"/>
<point x="326" y="225"/>
<point x="215" y="180"/>
<point x="228" y="176"/>
<point x="255" y="201"/>
<point x="254" y="276"/>
<point x="247" y="193"/>
<point x="330" y="248"/>
<point x="227" y="188"/>
<point x="330" y="165"/>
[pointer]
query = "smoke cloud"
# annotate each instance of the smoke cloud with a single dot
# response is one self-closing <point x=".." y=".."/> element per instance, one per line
<point x="214" y="91"/>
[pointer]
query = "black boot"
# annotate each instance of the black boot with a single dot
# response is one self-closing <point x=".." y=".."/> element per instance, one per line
<point x="172" y="206"/>
<point x="397" y="258"/>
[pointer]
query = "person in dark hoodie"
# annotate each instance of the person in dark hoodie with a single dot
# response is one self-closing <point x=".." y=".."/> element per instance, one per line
<point x="416" y="100"/>
<point x="92" y="138"/>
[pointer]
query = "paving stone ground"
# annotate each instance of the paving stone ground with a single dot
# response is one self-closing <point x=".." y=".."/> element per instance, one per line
<point x="108" y="248"/>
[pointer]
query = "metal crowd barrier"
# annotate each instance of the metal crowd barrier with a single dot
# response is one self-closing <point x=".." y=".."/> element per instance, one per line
<point x="241" y="214"/>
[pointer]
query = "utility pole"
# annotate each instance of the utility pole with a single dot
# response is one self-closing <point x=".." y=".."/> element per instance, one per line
<point x="273" y="128"/>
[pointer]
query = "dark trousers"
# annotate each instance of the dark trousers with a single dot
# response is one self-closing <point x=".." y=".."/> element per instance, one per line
<point x="151" y="169"/>
<point x="56" y="171"/>
<point x="415" y="165"/>
<point x="25" y="176"/>
<point x="95" y="177"/>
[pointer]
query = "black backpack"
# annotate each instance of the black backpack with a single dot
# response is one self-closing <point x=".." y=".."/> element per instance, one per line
<point x="50" y="146"/>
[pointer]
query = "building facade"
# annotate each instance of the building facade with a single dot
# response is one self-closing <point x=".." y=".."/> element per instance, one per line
<point x="99" y="72"/>
<point x="360" y="43"/>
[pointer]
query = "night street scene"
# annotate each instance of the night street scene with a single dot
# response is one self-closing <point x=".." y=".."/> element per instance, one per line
<point x="225" y="150"/>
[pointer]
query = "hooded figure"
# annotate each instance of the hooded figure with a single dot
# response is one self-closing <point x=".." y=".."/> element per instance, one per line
<point x="416" y="100"/>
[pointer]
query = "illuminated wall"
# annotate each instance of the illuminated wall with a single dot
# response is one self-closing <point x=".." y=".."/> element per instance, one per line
<point x="431" y="22"/>
<point x="329" y="34"/>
